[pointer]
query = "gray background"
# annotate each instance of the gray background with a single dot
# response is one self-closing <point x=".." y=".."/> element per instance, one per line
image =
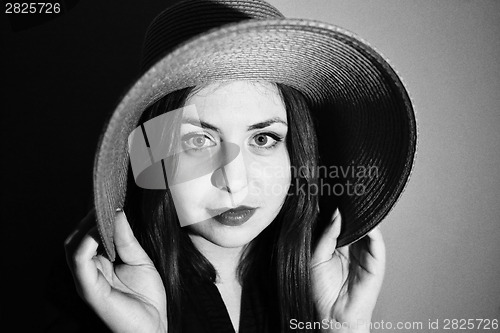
<point x="443" y="236"/>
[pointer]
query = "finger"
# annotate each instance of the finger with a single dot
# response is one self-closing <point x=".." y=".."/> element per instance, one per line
<point x="74" y="240"/>
<point x="104" y="266"/>
<point x="344" y="251"/>
<point x="328" y="241"/>
<point x="376" y="245"/>
<point x="82" y="265"/>
<point x="372" y="244"/>
<point x="83" y="227"/>
<point x="128" y="248"/>
<point x="369" y="252"/>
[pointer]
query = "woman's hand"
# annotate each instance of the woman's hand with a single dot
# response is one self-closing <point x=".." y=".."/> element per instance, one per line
<point x="129" y="296"/>
<point x="346" y="281"/>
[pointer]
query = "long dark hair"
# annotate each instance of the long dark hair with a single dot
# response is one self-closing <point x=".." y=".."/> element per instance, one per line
<point x="281" y="253"/>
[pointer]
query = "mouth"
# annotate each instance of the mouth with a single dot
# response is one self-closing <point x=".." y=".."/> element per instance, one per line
<point x="232" y="217"/>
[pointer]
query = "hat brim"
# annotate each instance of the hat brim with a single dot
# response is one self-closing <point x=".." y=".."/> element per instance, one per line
<point x="350" y="86"/>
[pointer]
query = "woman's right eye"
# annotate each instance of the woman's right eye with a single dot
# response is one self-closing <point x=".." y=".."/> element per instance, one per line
<point x="197" y="141"/>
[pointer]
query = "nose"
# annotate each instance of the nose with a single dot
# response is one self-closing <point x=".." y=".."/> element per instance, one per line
<point x="231" y="177"/>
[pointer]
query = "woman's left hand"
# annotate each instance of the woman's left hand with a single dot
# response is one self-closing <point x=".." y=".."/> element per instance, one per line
<point x="346" y="281"/>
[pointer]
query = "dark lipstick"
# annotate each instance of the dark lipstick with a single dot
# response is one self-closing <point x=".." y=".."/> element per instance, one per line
<point x="232" y="216"/>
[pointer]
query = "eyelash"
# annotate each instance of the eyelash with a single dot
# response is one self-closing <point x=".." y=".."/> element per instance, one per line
<point x="189" y="136"/>
<point x="276" y="137"/>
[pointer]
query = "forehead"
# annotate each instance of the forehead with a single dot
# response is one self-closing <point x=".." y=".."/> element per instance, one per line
<point x="226" y="102"/>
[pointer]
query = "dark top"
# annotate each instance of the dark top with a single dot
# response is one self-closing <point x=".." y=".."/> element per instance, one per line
<point x="204" y="311"/>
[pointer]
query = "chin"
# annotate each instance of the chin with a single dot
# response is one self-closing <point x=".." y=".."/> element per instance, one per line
<point x="229" y="236"/>
<point x="231" y="243"/>
<point x="234" y="236"/>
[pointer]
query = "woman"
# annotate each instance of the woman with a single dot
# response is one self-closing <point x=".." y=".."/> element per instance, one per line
<point x="223" y="199"/>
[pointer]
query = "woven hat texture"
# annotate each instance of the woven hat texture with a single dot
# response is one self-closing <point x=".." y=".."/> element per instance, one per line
<point x="363" y="110"/>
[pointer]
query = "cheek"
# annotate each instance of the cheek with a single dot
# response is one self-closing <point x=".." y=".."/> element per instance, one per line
<point x="189" y="198"/>
<point x="271" y="179"/>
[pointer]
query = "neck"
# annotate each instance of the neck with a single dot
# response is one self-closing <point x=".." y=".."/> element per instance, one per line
<point x="225" y="260"/>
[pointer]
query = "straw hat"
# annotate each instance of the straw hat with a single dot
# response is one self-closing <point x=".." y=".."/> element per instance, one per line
<point x="364" y="112"/>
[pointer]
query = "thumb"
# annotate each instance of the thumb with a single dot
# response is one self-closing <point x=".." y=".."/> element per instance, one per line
<point x="328" y="241"/>
<point x="128" y="248"/>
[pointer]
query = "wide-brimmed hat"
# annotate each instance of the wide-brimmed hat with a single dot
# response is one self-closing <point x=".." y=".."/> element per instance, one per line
<point x="365" y="119"/>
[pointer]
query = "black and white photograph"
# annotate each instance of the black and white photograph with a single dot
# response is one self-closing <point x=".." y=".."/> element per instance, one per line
<point x="248" y="166"/>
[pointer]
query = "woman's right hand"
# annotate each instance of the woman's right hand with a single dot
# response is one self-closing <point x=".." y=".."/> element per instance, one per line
<point x="129" y="296"/>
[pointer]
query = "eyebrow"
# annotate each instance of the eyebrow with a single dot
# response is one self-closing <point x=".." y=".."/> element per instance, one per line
<point x="263" y="124"/>
<point x="200" y="123"/>
<point x="267" y="123"/>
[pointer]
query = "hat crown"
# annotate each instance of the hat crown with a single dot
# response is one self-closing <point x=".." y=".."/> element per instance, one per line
<point x="189" y="18"/>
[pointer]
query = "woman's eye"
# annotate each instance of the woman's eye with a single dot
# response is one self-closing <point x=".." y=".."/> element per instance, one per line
<point x="197" y="141"/>
<point x="265" y="140"/>
<point x="261" y="140"/>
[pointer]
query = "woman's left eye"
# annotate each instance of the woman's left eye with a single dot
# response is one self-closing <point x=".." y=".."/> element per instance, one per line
<point x="265" y="140"/>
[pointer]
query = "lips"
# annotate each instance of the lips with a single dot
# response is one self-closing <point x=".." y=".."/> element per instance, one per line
<point x="232" y="217"/>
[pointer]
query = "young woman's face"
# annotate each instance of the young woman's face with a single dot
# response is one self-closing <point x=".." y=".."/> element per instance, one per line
<point x="235" y="134"/>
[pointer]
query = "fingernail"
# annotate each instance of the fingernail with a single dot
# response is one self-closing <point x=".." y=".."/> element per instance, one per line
<point x="335" y="214"/>
<point x="120" y="210"/>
